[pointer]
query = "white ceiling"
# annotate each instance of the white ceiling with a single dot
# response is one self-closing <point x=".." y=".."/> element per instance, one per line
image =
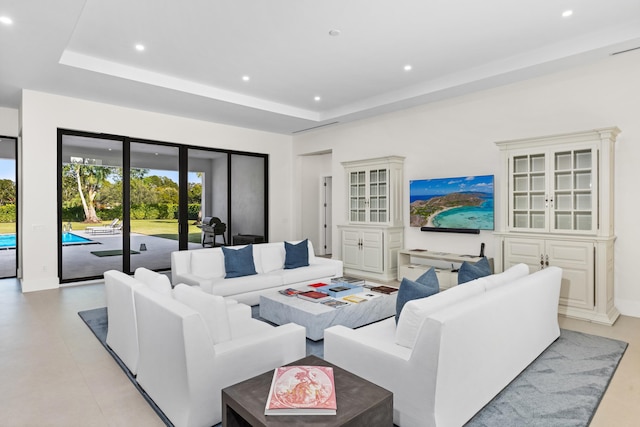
<point x="198" y="50"/>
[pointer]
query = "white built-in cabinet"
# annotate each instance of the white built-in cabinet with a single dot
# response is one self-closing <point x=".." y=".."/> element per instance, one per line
<point x="557" y="209"/>
<point x="374" y="232"/>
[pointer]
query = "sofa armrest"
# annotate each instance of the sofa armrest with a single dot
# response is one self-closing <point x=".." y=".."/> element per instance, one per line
<point x="384" y="363"/>
<point x="193" y="280"/>
<point x="237" y="312"/>
<point x="336" y="263"/>
<point x="260" y="352"/>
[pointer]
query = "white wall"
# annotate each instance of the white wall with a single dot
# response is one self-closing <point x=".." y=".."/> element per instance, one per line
<point x="456" y="137"/>
<point x="8" y="121"/>
<point x="43" y="114"/>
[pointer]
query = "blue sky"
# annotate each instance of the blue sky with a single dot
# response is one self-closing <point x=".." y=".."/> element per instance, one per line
<point x="440" y="186"/>
<point x="7" y="169"/>
<point x="173" y="175"/>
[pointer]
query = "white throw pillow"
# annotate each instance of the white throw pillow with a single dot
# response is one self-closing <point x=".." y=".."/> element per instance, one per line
<point x="212" y="308"/>
<point x="507" y="276"/>
<point x="414" y="312"/>
<point x="156" y="281"/>
<point x="272" y="257"/>
<point x="207" y="263"/>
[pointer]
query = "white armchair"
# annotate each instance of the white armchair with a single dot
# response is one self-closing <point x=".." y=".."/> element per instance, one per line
<point x="194" y="345"/>
<point x="122" y="334"/>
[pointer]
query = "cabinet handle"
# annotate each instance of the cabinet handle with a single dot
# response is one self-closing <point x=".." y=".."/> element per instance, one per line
<point x="546" y="205"/>
<point x="541" y="261"/>
<point x="546" y="260"/>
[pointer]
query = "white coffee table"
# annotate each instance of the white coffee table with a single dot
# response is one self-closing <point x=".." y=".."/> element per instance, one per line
<point x="316" y="317"/>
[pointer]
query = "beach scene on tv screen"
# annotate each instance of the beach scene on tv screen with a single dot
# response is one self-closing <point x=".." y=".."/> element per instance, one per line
<point x="460" y="202"/>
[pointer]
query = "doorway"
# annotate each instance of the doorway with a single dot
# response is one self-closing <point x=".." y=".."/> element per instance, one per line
<point x="8" y="207"/>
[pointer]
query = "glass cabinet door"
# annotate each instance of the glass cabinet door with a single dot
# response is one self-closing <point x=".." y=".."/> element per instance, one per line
<point x="573" y="191"/>
<point x="368" y="196"/>
<point x="357" y="196"/>
<point x="554" y="191"/>
<point x="378" y="185"/>
<point x="528" y="195"/>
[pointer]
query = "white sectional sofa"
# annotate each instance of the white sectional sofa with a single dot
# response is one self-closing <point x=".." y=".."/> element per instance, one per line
<point x="452" y="352"/>
<point x="206" y="268"/>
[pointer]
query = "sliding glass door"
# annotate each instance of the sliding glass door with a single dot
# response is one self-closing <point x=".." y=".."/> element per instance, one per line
<point x="91" y="206"/>
<point x="127" y="203"/>
<point x="153" y="205"/>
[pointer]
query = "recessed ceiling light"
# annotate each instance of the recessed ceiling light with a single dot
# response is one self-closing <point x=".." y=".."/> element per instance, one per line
<point x="334" y="33"/>
<point x="139" y="47"/>
<point x="6" y="20"/>
<point x="408" y="67"/>
<point x="246" y="78"/>
<point x="567" y="13"/>
<point x="316" y="98"/>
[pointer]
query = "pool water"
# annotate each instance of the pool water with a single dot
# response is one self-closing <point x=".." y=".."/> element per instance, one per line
<point x="9" y="240"/>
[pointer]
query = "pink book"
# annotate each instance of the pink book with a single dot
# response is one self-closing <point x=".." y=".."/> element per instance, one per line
<point x="302" y="390"/>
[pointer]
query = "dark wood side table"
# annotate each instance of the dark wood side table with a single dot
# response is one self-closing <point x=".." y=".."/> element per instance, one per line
<point x="360" y="402"/>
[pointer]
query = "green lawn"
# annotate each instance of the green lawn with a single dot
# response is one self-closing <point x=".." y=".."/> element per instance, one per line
<point x="165" y="228"/>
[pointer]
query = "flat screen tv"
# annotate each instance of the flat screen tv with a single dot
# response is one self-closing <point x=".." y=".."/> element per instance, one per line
<point x="460" y="204"/>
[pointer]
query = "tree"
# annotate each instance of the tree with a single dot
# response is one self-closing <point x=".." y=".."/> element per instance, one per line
<point x="7" y="192"/>
<point x="89" y="180"/>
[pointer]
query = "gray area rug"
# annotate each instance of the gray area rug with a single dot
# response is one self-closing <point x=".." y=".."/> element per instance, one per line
<point x="562" y="387"/>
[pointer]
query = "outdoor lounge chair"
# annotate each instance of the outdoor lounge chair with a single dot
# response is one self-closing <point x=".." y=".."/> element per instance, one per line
<point x="106" y="229"/>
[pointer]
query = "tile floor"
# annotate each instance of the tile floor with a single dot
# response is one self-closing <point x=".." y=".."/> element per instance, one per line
<point x="54" y="372"/>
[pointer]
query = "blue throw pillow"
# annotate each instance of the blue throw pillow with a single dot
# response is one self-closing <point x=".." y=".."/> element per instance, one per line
<point x="469" y="272"/>
<point x="296" y="255"/>
<point x="238" y="262"/>
<point x="425" y="286"/>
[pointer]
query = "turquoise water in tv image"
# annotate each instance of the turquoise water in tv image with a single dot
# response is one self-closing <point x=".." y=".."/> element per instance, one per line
<point x="478" y="217"/>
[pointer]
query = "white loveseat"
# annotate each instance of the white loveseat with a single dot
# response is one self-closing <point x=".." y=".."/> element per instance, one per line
<point x="206" y="268"/>
<point x="193" y="344"/>
<point x="452" y="352"/>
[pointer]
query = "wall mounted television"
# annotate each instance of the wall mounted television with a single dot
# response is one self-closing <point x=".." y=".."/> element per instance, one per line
<point x="459" y="204"/>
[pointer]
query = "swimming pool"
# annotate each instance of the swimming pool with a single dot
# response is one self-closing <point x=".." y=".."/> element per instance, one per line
<point x="9" y="240"/>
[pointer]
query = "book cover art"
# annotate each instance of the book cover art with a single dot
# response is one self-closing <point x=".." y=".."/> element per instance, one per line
<point x="317" y="285"/>
<point x="334" y="303"/>
<point x="354" y="299"/>
<point x="389" y="290"/>
<point x="313" y="296"/>
<point x="289" y="292"/>
<point x="302" y="390"/>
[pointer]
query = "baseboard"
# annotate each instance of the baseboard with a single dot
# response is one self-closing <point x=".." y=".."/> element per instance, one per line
<point x="628" y="307"/>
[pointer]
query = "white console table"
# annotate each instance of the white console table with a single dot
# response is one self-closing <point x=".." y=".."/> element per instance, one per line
<point x="412" y="263"/>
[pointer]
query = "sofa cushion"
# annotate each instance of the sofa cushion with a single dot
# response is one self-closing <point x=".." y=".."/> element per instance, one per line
<point x="296" y="255"/>
<point x="239" y="262"/>
<point x="495" y="280"/>
<point x="156" y="281"/>
<point x="272" y="256"/>
<point x="469" y="271"/>
<point x="312" y="272"/>
<point x="424" y="286"/>
<point x="207" y="263"/>
<point x="246" y="284"/>
<point x="415" y="311"/>
<point x="212" y="309"/>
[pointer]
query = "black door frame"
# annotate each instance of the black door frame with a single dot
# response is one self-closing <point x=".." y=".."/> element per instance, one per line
<point x="15" y="177"/>
<point x="183" y="221"/>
